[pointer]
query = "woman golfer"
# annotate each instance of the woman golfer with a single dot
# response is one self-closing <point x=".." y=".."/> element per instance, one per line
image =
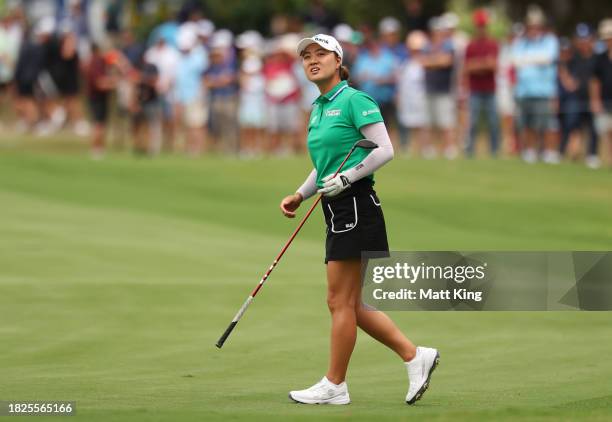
<point x="342" y="115"/>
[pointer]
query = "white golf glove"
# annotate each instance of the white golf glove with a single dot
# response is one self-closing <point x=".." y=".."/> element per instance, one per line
<point x="332" y="186"/>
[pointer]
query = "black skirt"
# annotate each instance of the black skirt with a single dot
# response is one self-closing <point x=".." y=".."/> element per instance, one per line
<point x="355" y="223"/>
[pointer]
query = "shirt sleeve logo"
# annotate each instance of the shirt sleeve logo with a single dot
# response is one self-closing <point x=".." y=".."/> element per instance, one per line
<point x="371" y="111"/>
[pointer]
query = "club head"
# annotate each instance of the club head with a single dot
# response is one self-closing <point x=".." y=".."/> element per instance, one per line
<point x="366" y="144"/>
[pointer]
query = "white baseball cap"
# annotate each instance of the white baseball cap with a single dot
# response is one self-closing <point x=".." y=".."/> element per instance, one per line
<point x="205" y="28"/>
<point x="326" y="41"/>
<point x="45" y="25"/>
<point x="187" y="37"/>
<point x="389" y="25"/>
<point x="343" y="33"/>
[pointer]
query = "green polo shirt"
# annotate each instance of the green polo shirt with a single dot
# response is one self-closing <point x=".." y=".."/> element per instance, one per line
<point x="334" y="125"/>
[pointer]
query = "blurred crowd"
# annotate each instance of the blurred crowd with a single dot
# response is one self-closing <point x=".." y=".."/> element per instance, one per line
<point x="192" y="87"/>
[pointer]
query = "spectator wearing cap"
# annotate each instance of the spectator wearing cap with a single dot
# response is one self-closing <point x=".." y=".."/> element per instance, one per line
<point x="283" y="96"/>
<point x="575" y="112"/>
<point x="221" y="79"/>
<point x="535" y="56"/>
<point x="390" y="30"/>
<point x="346" y="36"/>
<point x="374" y="72"/>
<point x="480" y="67"/>
<point x="252" y="105"/>
<point x="601" y="86"/>
<point x="166" y="30"/>
<point x="164" y="57"/>
<point x="190" y="97"/>
<point x="411" y="94"/>
<point x="438" y="60"/>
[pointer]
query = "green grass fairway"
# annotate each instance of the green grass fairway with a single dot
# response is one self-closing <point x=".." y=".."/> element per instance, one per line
<point x="117" y="278"/>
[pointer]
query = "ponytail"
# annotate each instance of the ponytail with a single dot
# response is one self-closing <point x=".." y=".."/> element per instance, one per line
<point x="344" y="73"/>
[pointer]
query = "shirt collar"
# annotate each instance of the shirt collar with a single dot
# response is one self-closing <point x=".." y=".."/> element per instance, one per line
<point x="333" y="93"/>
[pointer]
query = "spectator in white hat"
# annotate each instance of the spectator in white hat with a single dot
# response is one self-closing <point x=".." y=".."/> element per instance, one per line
<point x="252" y="108"/>
<point x="165" y="58"/>
<point x="411" y="95"/>
<point x="221" y="79"/>
<point x="346" y="37"/>
<point x="189" y="95"/>
<point x="390" y="29"/>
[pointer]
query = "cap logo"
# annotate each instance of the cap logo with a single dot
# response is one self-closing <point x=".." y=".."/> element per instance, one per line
<point x="321" y="40"/>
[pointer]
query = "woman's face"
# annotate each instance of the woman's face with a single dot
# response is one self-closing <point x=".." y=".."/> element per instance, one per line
<point x="319" y="64"/>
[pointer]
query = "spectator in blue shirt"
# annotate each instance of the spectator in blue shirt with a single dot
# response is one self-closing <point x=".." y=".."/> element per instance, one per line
<point x="222" y="81"/>
<point x="535" y="57"/>
<point x="189" y="94"/>
<point x="374" y="72"/>
<point x="390" y="29"/>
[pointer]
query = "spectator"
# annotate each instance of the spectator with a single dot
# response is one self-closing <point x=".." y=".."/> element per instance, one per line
<point x="346" y="37"/>
<point x="480" y="68"/>
<point x="411" y="94"/>
<point x="505" y="81"/>
<point x="100" y="83"/>
<point x="374" y="72"/>
<point x="30" y="64"/>
<point x="146" y="110"/>
<point x="283" y="95"/>
<point x="438" y="61"/>
<point x="165" y="58"/>
<point x="534" y="56"/>
<point x="189" y="94"/>
<point x="601" y="86"/>
<point x="389" y="29"/>
<point x="65" y="72"/>
<point x="252" y="117"/>
<point x="75" y="21"/>
<point x="574" y="76"/>
<point x="222" y="82"/>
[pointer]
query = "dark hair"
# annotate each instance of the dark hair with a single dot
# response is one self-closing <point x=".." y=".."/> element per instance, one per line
<point x="344" y="73"/>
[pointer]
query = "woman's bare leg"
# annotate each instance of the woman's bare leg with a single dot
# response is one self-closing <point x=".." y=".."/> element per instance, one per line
<point x="380" y="327"/>
<point x="343" y="286"/>
<point x="344" y="302"/>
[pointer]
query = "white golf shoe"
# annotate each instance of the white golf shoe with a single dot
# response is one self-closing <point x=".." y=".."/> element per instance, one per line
<point x="419" y="372"/>
<point x="323" y="392"/>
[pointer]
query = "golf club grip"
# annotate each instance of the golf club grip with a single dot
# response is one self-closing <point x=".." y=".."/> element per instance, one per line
<point x="226" y="334"/>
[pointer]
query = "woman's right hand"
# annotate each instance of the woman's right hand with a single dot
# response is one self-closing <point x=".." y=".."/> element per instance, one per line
<point x="290" y="203"/>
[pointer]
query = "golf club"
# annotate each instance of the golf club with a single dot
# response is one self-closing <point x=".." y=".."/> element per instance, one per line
<point x="363" y="143"/>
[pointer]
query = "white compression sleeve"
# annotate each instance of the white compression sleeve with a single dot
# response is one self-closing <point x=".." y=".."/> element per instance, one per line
<point x="309" y="187"/>
<point x="376" y="132"/>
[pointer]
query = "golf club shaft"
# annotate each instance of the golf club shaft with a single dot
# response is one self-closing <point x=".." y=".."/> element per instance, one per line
<point x="249" y="299"/>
